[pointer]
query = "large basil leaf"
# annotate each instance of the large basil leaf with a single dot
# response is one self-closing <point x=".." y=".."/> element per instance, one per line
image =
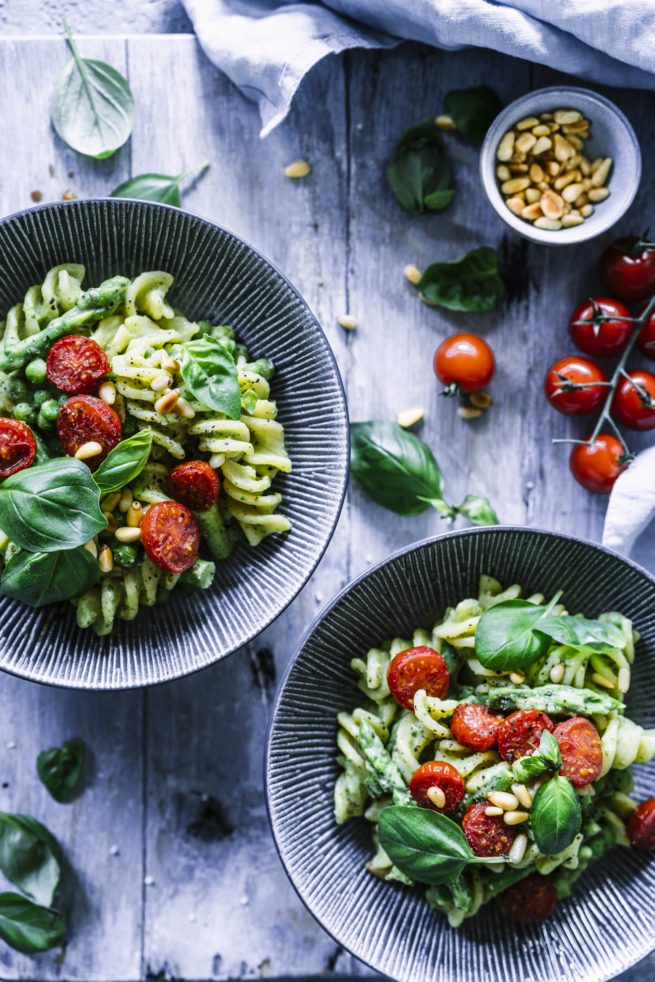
<point x="394" y="467"/>
<point x="27" y="927"/>
<point x="419" y="173"/>
<point x="556" y="815"/>
<point x="51" y="506"/>
<point x="507" y="636"/>
<point x="38" y="578"/>
<point x="156" y="187"/>
<point x="28" y="857"/>
<point x="60" y="769"/>
<point x="424" y="845"/>
<point x="579" y="632"/>
<point x="124" y="462"/>
<point x="210" y="373"/>
<point x="471" y="282"/>
<point x="473" y="110"/>
<point x="92" y="106"/>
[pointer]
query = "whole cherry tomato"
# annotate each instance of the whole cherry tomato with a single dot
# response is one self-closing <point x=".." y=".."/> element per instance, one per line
<point x="596" y="336"/>
<point x="464" y="363"/>
<point x="627" y="269"/>
<point x="597" y="466"/>
<point x="531" y="900"/>
<point x="562" y="382"/>
<point x="646" y="339"/>
<point x="633" y="404"/>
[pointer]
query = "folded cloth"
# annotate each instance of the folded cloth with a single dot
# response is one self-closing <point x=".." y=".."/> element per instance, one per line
<point x="267" y="47"/>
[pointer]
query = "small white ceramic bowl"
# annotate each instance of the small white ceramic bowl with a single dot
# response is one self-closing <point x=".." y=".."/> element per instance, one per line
<point x="611" y="136"/>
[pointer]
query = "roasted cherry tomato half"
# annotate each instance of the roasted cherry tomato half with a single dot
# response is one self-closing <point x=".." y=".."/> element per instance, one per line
<point x="170" y="536"/>
<point x="641" y="826"/>
<point x="520" y="732"/>
<point x="596" y="336"/>
<point x="414" y="669"/>
<point x="633" y="404"/>
<point x="464" y="363"/>
<point x="85" y="419"/>
<point x="563" y="377"/>
<point x="531" y="900"/>
<point x="627" y="269"/>
<point x="475" y="726"/>
<point x="487" y="835"/>
<point x="646" y="339"/>
<point x="17" y="446"/>
<point x="76" y="365"/>
<point x="437" y="774"/>
<point x="597" y="466"/>
<point x="195" y="484"/>
<point x="581" y="749"/>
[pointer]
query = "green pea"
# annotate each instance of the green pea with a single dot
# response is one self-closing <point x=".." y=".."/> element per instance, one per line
<point x="35" y="371"/>
<point x="25" y="412"/>
<point x="50" y="409"/>
<point x="39" y="396"/>
<point x="43" y="422"/>
<point x="125" y="554"/>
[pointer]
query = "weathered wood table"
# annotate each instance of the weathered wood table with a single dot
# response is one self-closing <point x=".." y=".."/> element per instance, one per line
<point x="175" y="874"/>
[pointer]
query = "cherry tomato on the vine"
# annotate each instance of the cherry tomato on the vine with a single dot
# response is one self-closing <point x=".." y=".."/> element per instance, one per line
<point x="627" y="269"/>
<point x="633" y="404"/>
<point x="563" y="381"/>
<point x="464" y="362"/>
<point x="646" y="339"/>
<point x="596" y="336"/>
<point x="597" y="466"/>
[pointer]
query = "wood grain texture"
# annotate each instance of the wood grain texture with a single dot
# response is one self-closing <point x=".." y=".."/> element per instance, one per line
<point x="177" y="781"/>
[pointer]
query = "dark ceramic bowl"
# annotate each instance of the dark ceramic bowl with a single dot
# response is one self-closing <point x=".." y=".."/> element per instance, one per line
<point x="221" y="278"/>
<point x="608" y="925"/>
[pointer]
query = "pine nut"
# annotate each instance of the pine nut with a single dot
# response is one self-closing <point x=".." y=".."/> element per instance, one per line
<point x="586" y="210"/>
<point x="569" y="221"/>
<point x="547" y="117"/>
<point x="532" y="211"/>
<point x="572" y="163"/>
<point x="107" y="393"/>
<point x="503" y="173"/>
<point x="518" y="168"/>
<point x="125" y="500"/>
<point x="170" y="364"/>
<point x="413" y="274"/>
<point x="562" y="148"/>
<point x="553" y="127"/>
<point x="623" y="681"/>
<point x="541" y="130"/>
<point x="89" y="449"/>
<point x="91" y="547"/>
<point x="517" y="852"/>
<point x="183" y="409"/>
<point x="347" y="322"/>
<point x="503" y="799"/>
<point x="505" y="148"/>
<point x="564" y="116"/>
<point x="557" y="674"/>
<point x="524" y="797"/>
<point x="574" y="140"/>
<point x="601" y="681"/>
<point x="532" y="195"/>
<point x="552" y="204"/>
<point x="515" y="204"/>
<point x="536" y="173"/>
<point x="601" y="173"/>
<point x="445" y="122"/>
<point x="493" y="811"/>
<point x="553" y="168"/>
<point x="436" y="796"/>
<point x="134" y="514"/>
<point x="106" y="560"/>
<point x="516" y="678"/>
<point x="111" y="521"/>
<point x="525" y="142"/>
<point x="543" y="144"/>
<point x="410" y="417"/>
<point x="515" y="817"/>
<point x="598" y="194"/>
<point x="110" y="501"/>
<point x="160" y="382"/>
<point x="527" y="123"/>
<point x="468" y="412"/>
<point x="585" y="167"/>
<point x="297" y="169"/>
<point x="166" y="402"/>
<point x="549" y="224"/>
<point x="128" y="534"/>
<point x="481" y="400"/>
<point x="572" y="192"/>
<point x="565" y="179"/>
<point x="515" y="184"/>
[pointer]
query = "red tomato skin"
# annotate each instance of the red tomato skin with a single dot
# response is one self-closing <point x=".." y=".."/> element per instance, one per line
<point x="465" y="360"/>
<point x="439" y="774"/>
<point x="414" y="669"/>
<point x="581" y="749"/>
<point x="487" y="835"/>
<point x="195" y="483"/>
<point x="520" y="732"/>
<point x="627" y="405"/>
<point x="575" y="402"/>
<point x="76" y="365"/>
<point x="17" y="446"/>
<point x="641" y="826"/>
<point x="646" y="338"/>
<point x="531" y="900"/>
<point x="597" y="467"/>
<point x="170" y="536"/>
<point x="628" y="277"/>
<point x="84" y="418"/>
<point x="475" y="726"/>
<point x="604" y="339"/>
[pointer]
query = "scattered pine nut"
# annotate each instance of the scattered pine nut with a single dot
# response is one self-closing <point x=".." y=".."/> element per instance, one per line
<point x="125" y="500"/>
<point x="297" y="169"/>
<point x="410" y="417"/>
<point x="468" y="412"/>
<point x="110" y="501"/>
<point x="493" y="811"/>
<point x="601" y="681"/>
<point x="134" y="514"/>
<point x="111" y="521"/>
<point x="569" y="221"/>
<point x="106" y="560"/>
<point x="504" y="800"/>
<point x="166" y="402"/>
<point x="68" y="196"/>
<point x="183" y="409"/>
<point x="505" y="148"/>
<point x="91" y="547"/>
<point x="600" y="175"/>
<point x="524" y="797"/>
<point x="503" y="173"/>
<point x="128" y="534"/>
<point x="347" y="322"/>
<point x="517" y="852"/>
<point x="445" y="122"/>
<point x="515" y="817"/>
<point x="413" y="274"/>
<point x="516" y="678"/>
<point x="481" y="400"/>
<point x="170" y="364"/>
<point x="515" y="204"/>
<point x="89" y="449"/>
<point x="160" y="382"/>
<point x="436" y="796"/>
<point x="623" y="681"/>
<point x="557" y="674"/>
<point x="107" y="393"/>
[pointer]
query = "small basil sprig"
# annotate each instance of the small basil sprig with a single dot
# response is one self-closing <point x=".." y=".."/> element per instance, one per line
<point x="60" y="769"/>
<point x="473" y="110"/>
<point x="92" y="106"/>
<point x="157" y="187"/>
<point x="399" y="472"/>
<point x="51" y="506"/>
<point x="547" y="758"/>
<point x="38" y="578"/>
<point x="124" y="462"/>
<point x="210" y="373"/>
<point x="470" y="283"/>
<point x="419" y="172"/>
<point x="29" y="857"/>
<point x="556" y="815"/>
<point x="27" y="927"/>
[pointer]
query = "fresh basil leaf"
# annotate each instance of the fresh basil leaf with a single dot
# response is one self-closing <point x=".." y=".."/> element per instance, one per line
<point x="394" y="467"/>
<point x="556" y="816"/>
<point x="38" y="578"/>
<point x="28" y="927"/>
<point x="546" y="758"/>
<point x="477" y="510"/>
<point x="210" y="373"/>
<point x="471" y="282"/>
<point x="419" y="173"/>
<point x="249" y="401"/>
<point x="423" y="844"/>
<point x="578" y="632"/>
<point x="507" y="636"/>
<point x="124" y="462"/>
<point x="156" y="187"/>
<point x="55" y="505"/>
<point x="92" y="106"/>
<point x="29" y="857"/>
<point x="60" y="769"/>
<point x="473" y="110"/>
<point x="549" y="750"/>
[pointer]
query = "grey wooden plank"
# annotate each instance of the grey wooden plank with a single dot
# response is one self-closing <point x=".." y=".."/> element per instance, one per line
<point x="105" y="938"/>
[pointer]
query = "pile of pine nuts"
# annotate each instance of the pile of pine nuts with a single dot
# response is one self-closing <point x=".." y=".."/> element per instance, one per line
<point x="543" y="173"/>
